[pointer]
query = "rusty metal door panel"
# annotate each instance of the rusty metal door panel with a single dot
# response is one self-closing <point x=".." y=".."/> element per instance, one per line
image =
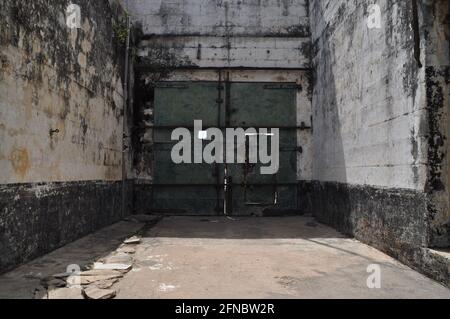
<point x="264" y="200"/>
<point x="178" y="104"/>
<point x="198" y="189"/>
<point x="188" y="189"/>
<point x="169" y="173"/>
<point x="287" y="171"/>
<point x="265" y="105"/>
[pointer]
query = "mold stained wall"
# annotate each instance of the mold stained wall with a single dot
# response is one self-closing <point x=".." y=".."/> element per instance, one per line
<point x="369" y="97"/>
<point x="61" y="115"/>
<point x="380" y="123"/>
<point x="232" y="33"/>
<point x="61" y="94"/>
<point x="220" y="17"/>
<point x="437" y="65"/>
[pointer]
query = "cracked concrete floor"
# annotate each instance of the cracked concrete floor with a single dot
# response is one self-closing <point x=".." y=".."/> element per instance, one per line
<point x="194" y="257"/>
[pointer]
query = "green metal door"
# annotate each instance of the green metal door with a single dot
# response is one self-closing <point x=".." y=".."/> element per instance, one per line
<point x="198" y="189"/>
<point x="191" y="189"/>
<point x="265" y="105"/>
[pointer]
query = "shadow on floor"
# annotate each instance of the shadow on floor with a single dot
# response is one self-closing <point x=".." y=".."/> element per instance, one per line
<point x="242" y="228"/>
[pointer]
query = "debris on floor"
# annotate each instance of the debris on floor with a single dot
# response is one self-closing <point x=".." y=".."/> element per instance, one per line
<point x="47" y="277"/>
<point x="97" y="280"/>
<point x="122" y="267"/>
<point x="96" y="293"/>
<point x="106" y="284"/>
<point x="90" y="277"/>
<point x="118" y="258"/>
<point x="133" y="240"/>
<point x="185" y="257"/>
<point x="127" y="250"/>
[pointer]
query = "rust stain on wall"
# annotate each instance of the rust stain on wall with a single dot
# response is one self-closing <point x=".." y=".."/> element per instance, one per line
<point x="20" y="161"/>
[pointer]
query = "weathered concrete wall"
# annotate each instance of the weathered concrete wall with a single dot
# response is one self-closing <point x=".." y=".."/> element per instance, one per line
<point x="217" y="33"/>
<point x="374" y="128"/>
<point x="61" y="111"/>
<point x="437" y="72"/>
<point x="61" y="106"/>
<point x="369" y="106"/>
<point x="221" y="17"/>
<point x="233" y="52"/>
<point x="39" y="218"/>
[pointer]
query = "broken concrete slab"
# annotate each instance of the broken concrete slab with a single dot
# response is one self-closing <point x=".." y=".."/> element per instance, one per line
<point x="132" y="240"/>
<point x="118" y="258"/>
<point x="97" y="293"/>
<point x="121" y="267"/>
<point x="102" y="272"/>
<point x="96" y="275"/>
<point x="127" y="250"/>
<point x="22" y="282"/>
<point x="65" y="293"/>
<point x="106" y="284"/>
<point x="87" y="280"/>
<point x="63" y="275"/>
<point x="33" y="275"/>
<point x="50" y="282"/>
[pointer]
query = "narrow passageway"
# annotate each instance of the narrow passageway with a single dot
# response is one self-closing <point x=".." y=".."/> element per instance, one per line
<point x="222" y="149"/>
<point x="197" y="257"/>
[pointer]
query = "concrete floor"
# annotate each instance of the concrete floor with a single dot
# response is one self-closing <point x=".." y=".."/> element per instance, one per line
<point x="187" y="257"/>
